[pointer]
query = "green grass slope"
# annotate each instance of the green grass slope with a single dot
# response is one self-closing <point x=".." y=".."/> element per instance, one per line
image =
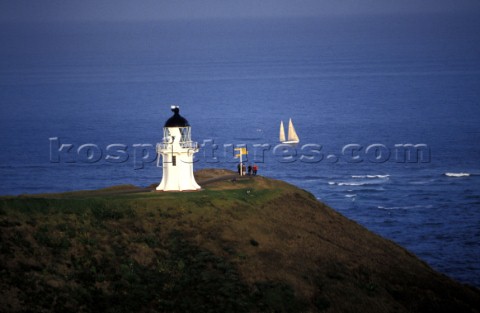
<point x="243" y="245"/>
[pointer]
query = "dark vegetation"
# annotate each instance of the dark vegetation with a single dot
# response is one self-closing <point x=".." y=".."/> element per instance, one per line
<point x="253" y="245"/>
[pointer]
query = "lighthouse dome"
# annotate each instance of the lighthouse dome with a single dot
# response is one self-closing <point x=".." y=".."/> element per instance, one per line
<point x="176" y="120"/>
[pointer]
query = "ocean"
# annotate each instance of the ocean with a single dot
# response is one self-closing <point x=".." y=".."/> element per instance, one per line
<point x="387" y="109"/>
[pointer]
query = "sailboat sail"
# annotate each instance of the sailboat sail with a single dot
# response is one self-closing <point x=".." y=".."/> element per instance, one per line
<point x="282" y="132"/>
<point x="292" y="134"/>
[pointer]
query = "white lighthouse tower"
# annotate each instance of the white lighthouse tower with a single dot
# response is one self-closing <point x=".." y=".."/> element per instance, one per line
<point x="177" y="151"/>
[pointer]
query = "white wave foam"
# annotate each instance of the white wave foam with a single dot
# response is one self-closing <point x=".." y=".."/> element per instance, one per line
<point x="428" y="206"/>
<point x="370" y="176"/>
<point x="361" y="180"/>
<point x="378" y="176"/>
<point x="350" y="196"/>
<point x="356" y="183"/>
<point x="352" y="184"/>
<point x="457" y="174"/>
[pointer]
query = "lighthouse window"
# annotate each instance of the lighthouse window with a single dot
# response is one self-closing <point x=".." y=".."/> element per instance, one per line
<point x="174" y="160"/>
<point x="183" y="134"/>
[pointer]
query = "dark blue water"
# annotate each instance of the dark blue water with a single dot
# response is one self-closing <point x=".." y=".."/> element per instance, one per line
<point x="355" y="82"/>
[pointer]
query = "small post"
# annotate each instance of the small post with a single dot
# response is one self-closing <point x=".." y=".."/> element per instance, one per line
<point x="241" y="165"/>
<point x="241" y="151"/>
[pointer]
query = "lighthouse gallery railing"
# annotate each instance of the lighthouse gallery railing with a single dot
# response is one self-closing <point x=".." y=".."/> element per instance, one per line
<point x="184" y="144"/>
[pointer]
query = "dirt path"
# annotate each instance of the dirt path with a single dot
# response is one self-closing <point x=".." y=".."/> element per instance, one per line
<point x="201" y="181"/>
<point x="219" y="178"/>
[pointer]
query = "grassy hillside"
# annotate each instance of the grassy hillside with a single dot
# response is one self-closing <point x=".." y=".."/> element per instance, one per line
<point x="244" y="245"/>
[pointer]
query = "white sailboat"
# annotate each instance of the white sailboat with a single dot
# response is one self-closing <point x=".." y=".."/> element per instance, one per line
<point x="292" y="136"/>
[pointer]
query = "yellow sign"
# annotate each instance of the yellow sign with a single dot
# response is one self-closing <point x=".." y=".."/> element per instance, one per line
<point x="241" y="151"/>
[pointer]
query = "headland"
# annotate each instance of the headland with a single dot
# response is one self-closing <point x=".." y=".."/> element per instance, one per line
<point x="241" y="244"/>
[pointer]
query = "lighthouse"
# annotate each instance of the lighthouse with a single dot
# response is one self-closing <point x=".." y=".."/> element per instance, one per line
<point x="177" y="149"/>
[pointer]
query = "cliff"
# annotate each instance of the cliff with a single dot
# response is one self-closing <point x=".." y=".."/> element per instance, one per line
<point x="238" y="245"/>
